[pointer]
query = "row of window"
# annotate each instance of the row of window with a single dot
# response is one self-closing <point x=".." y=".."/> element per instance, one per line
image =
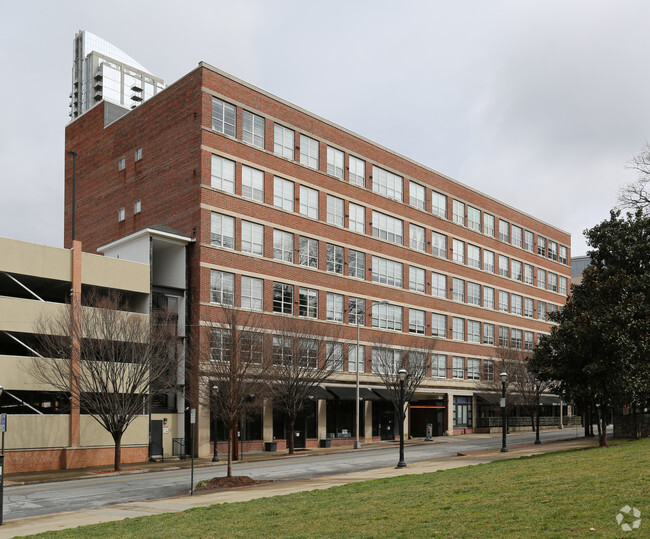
<point x="384" y="316"/>
<point x="383" y="270"/>
<point x="384" y="182"/>
<point x="137" y="156"/>
<point x="383" y="226"/>
<point x="306" y="351"/>
<point x="121" y="212"/>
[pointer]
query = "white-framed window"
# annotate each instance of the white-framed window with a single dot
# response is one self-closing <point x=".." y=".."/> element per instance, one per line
<point x="417" y="238"/>
<point x="220" y="345"/>
<point x="458" y="329"/>
<point x="563" y="285"/>
<point x="357" y="171"/>
<point x="356" y="311"/>
<point x="352" y="358"/>
<point x="334" y="307"/>
<point x="224" y="117"/>
<point x="552" y="308"/>
<point x="416" y="321"/>
<point x="252" y="293"/>
<point x="541" y="310"/>
<point x="385" y="360"/>
<point x="516" y="304"/>
<point x="439" y="325"/>
<point x="283" y="245"/>
<point x="488" y="225"/>
<point x="474" y="293"/>
<point x="458" y="289"/>
<point x="504" y="231"/>
<point x="121" y="163"/>
<point x="308" y="252"/>
<point x="137" y="206"/>
<point x="488" y="261"/>
<point x="283" y="193"/>
<point x="356" y="264"/>
<point x="253" y="129"/>
<point x="541" y="278"/>
<point x="283" y="298"/>
<point x="357" y="218"/>
<point x="438" y="285"/>
<point x="517" y="273"/>
<point x="473" y="256"/>
<point x="222" y="230"/>
<point x="252" y="238"/>
<point x="528" y="241"/>
<point x="439" y="245"/>
<point x="504" y="336"/>
<point x="503" y="266"/>
<point x="439" y="204"/>
<point x="222" y="287"/>
<point x="488" y="369"/>
<point x="474" y="218"/>
<point x="563" y="255"/>
<point x="308" y="151"/>
<point x="541" y="246"/>
<point x="459" y="251"/>
<point x="252" y="183"/>
<point x="516" y="234"/>
<point x="473" y="331"/>
<point x="222" y="174"/>
<point x="335" y="162"/>
<point x="438" y="366"/>
<point x="387" y="271"/>
<point x="307" y="302"/>
<point x="504" y="301"/>
<point x="516" y="338"/>
<point x="488" y="333"/>
<point x="552" y="250"/>
<point x="121" y="215"/>
<point x="283" y="141"/>
<point x="528" y="307"/>
<point x="552" y="282"/>
<point x="308" y="202"/>
<point x="333" y="356"/>
<point x="387" y="184"/>
<point x="488" y="297"/>
<point x="528" y="274"/>
<point x="282" y="350"/>
<point x="416" y="279"/>
<point x="335" y="210"/>
<point x="387" y="316"/>
<point x="528" y="340"/>
<point x="334" y="258"/>
<point x="473" y="369"/>
<point x="417" y="195"/>
<point x="458" y="212"/>
<point x="458" y="367"/>
<point x="138" y="154"/>
<point x="387" y="228"/>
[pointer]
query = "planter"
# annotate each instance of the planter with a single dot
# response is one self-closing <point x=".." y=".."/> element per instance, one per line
<point x="271" y="446"/>
<point x="326" y="443"/>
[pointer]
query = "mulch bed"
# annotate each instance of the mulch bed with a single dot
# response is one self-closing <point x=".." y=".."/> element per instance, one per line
<point x="228" y="482"/>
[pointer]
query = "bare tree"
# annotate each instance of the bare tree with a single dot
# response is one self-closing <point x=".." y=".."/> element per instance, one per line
<point x="305" y="354"/>
<point x="234" y="371"/>
<point x="387" y="361"/>
<point x="107" y="359"/>
<point x="635" y="196"/>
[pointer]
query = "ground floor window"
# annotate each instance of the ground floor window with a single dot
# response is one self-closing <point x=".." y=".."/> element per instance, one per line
<point x="462" y="411"/>
<point x="306" y="425"/>
<point x="341" y="421"/>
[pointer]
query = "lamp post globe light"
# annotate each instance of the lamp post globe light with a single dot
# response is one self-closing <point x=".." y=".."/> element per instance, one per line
<point x="537" y="389"/>
<point x="215" y="456"/>
<point x="357" y="441"/>
<point x="403" y="375"/>
<point x="504" y="379"/>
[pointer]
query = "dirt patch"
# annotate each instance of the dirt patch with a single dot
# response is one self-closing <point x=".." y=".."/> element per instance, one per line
<point x="228" y="482"/>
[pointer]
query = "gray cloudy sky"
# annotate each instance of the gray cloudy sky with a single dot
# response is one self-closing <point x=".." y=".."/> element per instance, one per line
<point x="537" y="103"/>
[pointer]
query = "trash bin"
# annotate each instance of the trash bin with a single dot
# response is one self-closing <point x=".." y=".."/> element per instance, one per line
<point x="271" y="446"/>
<point x="326" y="443"/>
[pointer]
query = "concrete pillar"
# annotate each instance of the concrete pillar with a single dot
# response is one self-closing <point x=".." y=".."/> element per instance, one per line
<point x="267" y="423"/>
<point x="367" y="421"/>
<point x="202" y="431"/>
<point x="322" y="419"/>
<point x="450" y="414"/>
<point x="75" y="351"/>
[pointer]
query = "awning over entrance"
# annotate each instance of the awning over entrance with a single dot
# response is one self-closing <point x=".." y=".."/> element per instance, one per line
<point x="383" y="393"/>
<point x="350" y="393"/>
<point x="318" y="393"/>
<point x="490" y="398"/>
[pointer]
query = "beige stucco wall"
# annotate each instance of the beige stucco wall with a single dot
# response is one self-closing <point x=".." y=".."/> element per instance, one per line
<point x="31" y="259"/>
<point x="93" y="434"/>
<point x="22" y="315"/>
<point x="36" y="431"/>
<point x="114" y="273"/>
<point x="17" y="374"/>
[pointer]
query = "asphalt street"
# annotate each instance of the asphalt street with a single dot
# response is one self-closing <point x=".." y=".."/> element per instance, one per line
<point x="48" y="498"/>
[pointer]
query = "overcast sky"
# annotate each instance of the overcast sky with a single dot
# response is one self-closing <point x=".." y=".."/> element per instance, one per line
<point x="537" y="103"/>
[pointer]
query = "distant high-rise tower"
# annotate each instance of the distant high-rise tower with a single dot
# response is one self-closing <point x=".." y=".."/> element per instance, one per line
<point x="102" y="71"/>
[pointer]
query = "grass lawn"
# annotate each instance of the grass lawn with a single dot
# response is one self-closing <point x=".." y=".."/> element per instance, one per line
<point x="553" y="495"/>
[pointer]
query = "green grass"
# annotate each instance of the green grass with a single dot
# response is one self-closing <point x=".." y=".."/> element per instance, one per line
<point x="553" y="495"/>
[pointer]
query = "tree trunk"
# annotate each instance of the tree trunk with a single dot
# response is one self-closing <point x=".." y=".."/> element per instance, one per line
<point x="229" y="472"/>
<point x="117" y="461"/>
<point x="532" y="420"/>
<point x="637" y="423"/>
<point x="292" y="434"/>
<point x="602" y="426"/>
<point x="235" y="445"/>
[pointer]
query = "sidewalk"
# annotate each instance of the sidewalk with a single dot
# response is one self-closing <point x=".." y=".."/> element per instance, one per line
<point x="60" y="521"/>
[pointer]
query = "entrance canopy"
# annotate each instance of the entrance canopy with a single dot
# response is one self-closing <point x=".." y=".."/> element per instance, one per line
<point x="349" y="393"/>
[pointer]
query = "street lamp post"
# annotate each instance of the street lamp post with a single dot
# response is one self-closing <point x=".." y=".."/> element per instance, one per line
<point x="504" y="379"/>
<point x="403" y="374"/>
<point x="215" y="456"/>
<point x="357" y="441"/>
<point x="537" y="387"/>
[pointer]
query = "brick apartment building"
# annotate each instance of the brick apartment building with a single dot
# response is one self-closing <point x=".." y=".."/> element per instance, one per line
<point x="293" y="215"/>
